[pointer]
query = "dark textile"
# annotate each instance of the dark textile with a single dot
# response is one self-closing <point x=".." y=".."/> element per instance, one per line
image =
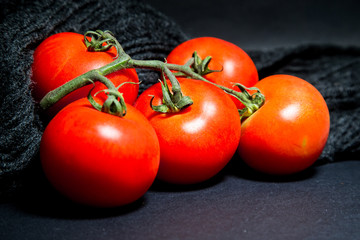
<point x="147" y="34"/>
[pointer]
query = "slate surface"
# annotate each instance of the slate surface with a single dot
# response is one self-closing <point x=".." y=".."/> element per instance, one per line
<point x="322" y="203"/>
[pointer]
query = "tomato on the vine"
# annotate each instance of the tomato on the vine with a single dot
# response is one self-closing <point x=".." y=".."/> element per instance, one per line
<point x="64" y="56"/>
<point x="99" y="159"/>
<point x="197" y="142"/>
<point x="235" y="64"/>
<point x="288" y="133"/>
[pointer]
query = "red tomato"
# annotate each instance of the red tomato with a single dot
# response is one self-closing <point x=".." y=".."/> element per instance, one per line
<point x="288" y="133"/>
<point x="197" y="142"/>
<point x="64" y="56"/>
<point x="99" y="159"/>
<point x="236" y="65"/>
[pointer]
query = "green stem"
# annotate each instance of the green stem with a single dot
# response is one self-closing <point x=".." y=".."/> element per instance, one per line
<point x="124" y="61"/>
<point x="118" y="64"/>
<point x="94" y="75"/>
<point x="186" y="71"/>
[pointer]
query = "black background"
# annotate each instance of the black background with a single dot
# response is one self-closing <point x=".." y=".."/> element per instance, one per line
<point x="321" y="203"/>
<point x="260" y="24"/>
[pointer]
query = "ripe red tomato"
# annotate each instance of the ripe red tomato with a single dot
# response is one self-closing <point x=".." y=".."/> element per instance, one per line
<point x="64" y="56"/>
<point x="236" y="65"/>
<point x="197" y="142"/>
<point x="99" y="159"/>
<point x="288" y="133"/>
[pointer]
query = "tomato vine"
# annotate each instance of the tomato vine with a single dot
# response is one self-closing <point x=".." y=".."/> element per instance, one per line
<point x="104" y="40"/>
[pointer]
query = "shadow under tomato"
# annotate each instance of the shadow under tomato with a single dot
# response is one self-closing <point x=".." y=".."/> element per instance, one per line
<point x="238" y="168"/>
<point x="38" y="197"/>
<point x="161" y="186"/>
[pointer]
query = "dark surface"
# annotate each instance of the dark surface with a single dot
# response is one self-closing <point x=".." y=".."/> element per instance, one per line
<point x="260" y="24"/>
<point x="321" y="203"/>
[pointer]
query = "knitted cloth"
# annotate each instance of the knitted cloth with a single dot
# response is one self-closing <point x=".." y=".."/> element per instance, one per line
<point x="147" y="34"/>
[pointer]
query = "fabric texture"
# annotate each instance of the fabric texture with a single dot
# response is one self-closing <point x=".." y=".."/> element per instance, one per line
<point x="147" y="34"/>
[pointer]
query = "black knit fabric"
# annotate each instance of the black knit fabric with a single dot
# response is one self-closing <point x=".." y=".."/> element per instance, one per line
<point x="147" y="34"/>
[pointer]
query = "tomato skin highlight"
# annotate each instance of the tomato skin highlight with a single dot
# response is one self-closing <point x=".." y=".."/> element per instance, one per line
<point x="98" y="159"/>
<point x="235" y="63"/>
<point x="64" y="56"/>
<point x="197" y="142"/>
<point x="289" y="132"/>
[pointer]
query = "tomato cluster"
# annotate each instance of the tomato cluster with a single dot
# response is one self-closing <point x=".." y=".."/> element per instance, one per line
<point x="99" y="159"/>
<point x="288" y="133"/>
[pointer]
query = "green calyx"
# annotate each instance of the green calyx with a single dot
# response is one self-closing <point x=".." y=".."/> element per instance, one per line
<point x="173" y="101"/>
<point x="101" y="41"/>
<point x="113" y="105"/>
<point x="201" y="66"/>
<point x="252" y="102"/>
<point x="170" y="105"/>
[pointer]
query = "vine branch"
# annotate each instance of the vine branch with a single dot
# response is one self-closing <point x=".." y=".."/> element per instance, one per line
<point x="194" y="68"/>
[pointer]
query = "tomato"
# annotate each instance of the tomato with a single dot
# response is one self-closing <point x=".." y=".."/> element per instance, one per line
<point x="64" y="56"/>
<point x="197" y="142"/>
<point x="288" y="133"/>
<point x="99" y="159"/>
<point x="235" y="63"/>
